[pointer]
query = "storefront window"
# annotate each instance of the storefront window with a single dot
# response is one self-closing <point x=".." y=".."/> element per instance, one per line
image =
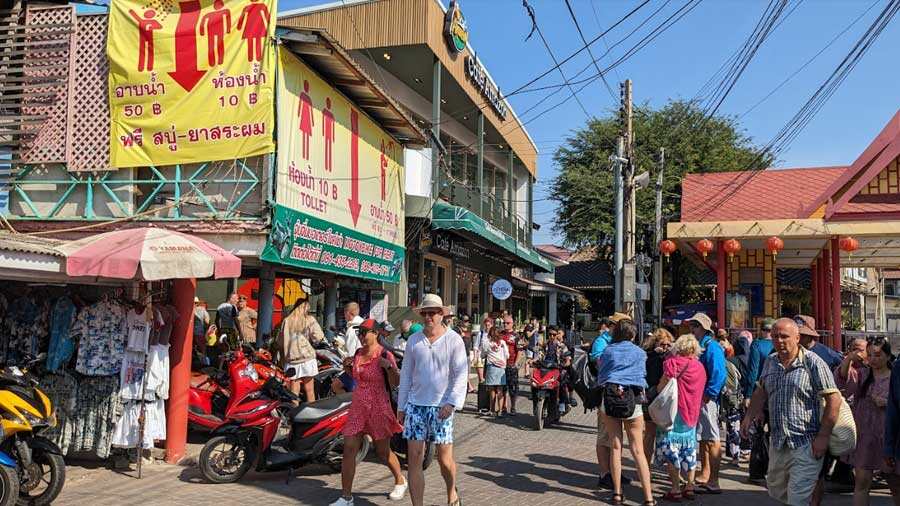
<point x="412" y="277"/>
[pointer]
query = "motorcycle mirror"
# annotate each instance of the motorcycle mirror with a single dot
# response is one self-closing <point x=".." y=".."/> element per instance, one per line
<point x="222" y="338"/>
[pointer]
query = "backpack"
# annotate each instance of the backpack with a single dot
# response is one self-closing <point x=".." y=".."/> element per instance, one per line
<point x="618" y="401"/>
<point x="731" y="393"/>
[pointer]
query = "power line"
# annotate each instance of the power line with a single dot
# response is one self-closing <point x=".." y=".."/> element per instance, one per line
<point x="590" y="53"/>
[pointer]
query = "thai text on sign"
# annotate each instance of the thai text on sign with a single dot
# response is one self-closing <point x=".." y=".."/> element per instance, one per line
<point x="190" y="80"/>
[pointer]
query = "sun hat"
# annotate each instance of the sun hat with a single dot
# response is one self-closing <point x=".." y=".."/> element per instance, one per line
<point x="807" y="325"/>
<point x="617" y="317"/>
<point x="433" y="301"/>
<point x="703" y="320"/>
<point x="768" y="323"/>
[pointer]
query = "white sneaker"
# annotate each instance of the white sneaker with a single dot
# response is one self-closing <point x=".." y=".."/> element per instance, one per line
<point x="342" y="502"/>
<point x="399" y="492"/>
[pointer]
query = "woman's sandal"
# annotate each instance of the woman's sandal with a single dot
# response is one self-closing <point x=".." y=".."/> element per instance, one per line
<point x="617" y="499"/>
<point x="651" y="502"/>
<point x="688" y="494"/>
<point x="458" y="501"/>
<point x="671" y="497"/>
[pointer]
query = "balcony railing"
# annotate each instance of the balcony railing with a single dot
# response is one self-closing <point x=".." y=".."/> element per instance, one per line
<point x="494" y="210"/>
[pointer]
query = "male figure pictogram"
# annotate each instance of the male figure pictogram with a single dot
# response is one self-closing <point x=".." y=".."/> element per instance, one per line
<point x="256" y="28"/>
<point x="145" y="26"/>
<point x="328" y="133"/>
<point x="305" y="112"/>
<point x="215" y="25"/>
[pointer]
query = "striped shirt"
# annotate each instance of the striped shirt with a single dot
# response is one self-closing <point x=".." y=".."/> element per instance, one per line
<point x="795" y="398"/>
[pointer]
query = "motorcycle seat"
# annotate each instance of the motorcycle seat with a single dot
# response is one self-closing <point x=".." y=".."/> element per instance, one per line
<point x="200" y="381"/>
<point x="315" y="411"/>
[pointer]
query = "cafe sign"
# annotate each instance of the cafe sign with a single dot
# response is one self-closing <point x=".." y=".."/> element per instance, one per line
<point x="488" y="88"/>
<point x="455" y="30"/>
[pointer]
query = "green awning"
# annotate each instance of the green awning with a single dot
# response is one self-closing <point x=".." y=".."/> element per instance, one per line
<point x="449" y="217"/>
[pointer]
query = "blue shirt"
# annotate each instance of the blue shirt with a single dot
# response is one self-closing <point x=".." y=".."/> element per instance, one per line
<point x="892" y="416"/>
<point x="831" y="358"/>
<point x="600" y="344"/>
<point x="759" y="350"/>
<point x="713" y="360"/>
<point x="624" y="364"/>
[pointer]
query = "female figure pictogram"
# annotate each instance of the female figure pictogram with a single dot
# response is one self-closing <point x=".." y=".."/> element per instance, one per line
<point x="384" y="165"/>
<point x="305" y="112"/>
<point x="215" y="25"/>
<point x="145" y="26"/>
<point x="328" y="133"/>
<point x="255" y="22"/>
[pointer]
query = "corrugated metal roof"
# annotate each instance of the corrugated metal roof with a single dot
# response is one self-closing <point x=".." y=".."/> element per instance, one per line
<point x="30" y="244"/>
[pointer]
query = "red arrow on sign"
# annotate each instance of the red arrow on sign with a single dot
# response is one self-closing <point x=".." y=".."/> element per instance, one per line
<point x="186" y="73"/>
<point x="353" y="201"/>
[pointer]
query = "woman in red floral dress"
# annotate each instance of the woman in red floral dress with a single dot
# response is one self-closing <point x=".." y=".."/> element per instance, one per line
<point x="371" y="413"/>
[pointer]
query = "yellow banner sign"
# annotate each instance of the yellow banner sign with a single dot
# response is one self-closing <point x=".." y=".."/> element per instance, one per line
<point x="339" y="181"/>
<point x="190" y="80"/>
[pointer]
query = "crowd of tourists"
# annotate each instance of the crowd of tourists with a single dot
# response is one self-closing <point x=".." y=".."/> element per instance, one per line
<point x="779" y="401"/>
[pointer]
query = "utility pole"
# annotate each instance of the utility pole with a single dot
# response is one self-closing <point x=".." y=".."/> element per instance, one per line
<point x="658" y="265"/>
<point x="628" y="233"/>
<point x="618" y="160"/>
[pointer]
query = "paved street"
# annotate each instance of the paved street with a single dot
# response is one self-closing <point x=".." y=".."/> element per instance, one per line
<point x="503" y="462"/>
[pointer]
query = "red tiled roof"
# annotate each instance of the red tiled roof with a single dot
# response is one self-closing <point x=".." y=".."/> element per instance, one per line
<point x="769" y="194"/>
<point x="554" y="251"/>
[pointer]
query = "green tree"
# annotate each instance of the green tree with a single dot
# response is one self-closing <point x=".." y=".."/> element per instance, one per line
<point x="584" y="191"/>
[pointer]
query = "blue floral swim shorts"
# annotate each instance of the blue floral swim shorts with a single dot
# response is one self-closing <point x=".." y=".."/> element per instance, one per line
<point x="423" y="424"/>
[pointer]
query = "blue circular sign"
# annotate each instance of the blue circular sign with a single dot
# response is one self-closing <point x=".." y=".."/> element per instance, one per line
<point x="501" y="289"/>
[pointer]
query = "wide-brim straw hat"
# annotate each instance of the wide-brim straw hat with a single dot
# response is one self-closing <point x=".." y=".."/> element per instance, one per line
<point x="433" y="301"/>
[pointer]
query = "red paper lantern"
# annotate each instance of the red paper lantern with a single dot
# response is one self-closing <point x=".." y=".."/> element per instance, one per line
<point x="848" y="244"/>
<point x="666" y="247"/>
<point x="731" y="246"/>
<point x="704" y="246"/>
<point x="774" y="245"/>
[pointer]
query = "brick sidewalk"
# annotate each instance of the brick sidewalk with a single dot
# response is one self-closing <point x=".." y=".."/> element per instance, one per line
<point x="500" y="462"/>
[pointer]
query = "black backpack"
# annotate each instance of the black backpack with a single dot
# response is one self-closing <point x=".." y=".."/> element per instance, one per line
<point x="618" y="401"/>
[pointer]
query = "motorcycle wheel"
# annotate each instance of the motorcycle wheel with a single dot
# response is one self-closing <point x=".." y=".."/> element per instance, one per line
<point x="9" y="486"/>
<point x="539" y="413"/>
<point x="336" y="460"/>
<point x="224" y="459"/>
<point x="42" y="481"/>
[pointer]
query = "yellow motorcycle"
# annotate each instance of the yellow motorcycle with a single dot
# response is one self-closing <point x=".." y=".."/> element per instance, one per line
<point x="25" y="413"/>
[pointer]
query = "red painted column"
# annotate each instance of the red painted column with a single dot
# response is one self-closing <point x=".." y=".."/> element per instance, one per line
<point x="836" y="342"/>
<point x="827" y="290"/>
<point x="180" y="369"/>
<point x="814" y="289"/>
<point x="721" y="284"/>
<point x="823" y="292"/>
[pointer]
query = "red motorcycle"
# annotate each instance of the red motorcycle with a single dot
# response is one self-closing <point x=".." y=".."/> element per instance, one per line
<point x="549" y="393"/>
<point x="249" y="433"/>
<point x="210" y="396"/>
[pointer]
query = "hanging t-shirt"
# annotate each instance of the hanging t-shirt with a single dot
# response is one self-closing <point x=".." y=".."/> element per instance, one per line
<point x="158" y="371"/>
<point x="132" y="375"/>
<point x="138" y="331"/>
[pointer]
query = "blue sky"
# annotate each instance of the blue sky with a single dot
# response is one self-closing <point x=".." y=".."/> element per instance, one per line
<point x="677" y="63"/>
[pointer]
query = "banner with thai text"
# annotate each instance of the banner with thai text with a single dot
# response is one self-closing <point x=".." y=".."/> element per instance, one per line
<point x="340" y="171"/>
<point x="190" y="80"/>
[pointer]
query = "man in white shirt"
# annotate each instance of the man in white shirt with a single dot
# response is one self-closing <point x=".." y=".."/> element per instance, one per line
<point x="432" y="387"/>
<point x="351" y="315"/>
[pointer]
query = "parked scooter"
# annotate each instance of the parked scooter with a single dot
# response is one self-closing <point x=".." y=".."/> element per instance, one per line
<point x="550" y="400"/>
<point x="36" y="462"/>
<point x="214" y="392"/>
<point x="249" y="435"/>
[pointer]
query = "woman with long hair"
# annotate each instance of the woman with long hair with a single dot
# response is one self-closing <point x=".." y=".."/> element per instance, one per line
<point x="657" y="346"/>
<point x="677" y="447"/>
<point x="496" y="357"/>
<point x="294" y="346"/>
<point x="375" y="372"/>
<point x="622" y="376"/>
<point x="866" y="378"/>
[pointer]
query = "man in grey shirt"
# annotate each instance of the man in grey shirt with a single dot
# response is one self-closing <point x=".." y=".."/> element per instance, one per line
<point x="227" y="312"/>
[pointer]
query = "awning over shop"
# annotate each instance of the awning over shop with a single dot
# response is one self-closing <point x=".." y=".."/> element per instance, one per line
<point x="28" y="258"/>
<point x="445" y="216"/>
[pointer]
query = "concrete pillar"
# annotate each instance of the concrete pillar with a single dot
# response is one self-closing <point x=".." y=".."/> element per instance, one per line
<point x="510" y="207"/>
<point x="721" y="284"/>
<point x="551" y="309"/>
<point x="436" y="170"/>
<point x="266" y="304"/>
<point x="183" y="291"/>
<point x="331" y="303"/>
<point x="826" y="290"/>
<point x="836" y="341"/>
<point x="530" y="213"/>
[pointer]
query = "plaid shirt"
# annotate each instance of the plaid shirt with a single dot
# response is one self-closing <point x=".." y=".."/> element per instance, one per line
<point x="794" y="397"/>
